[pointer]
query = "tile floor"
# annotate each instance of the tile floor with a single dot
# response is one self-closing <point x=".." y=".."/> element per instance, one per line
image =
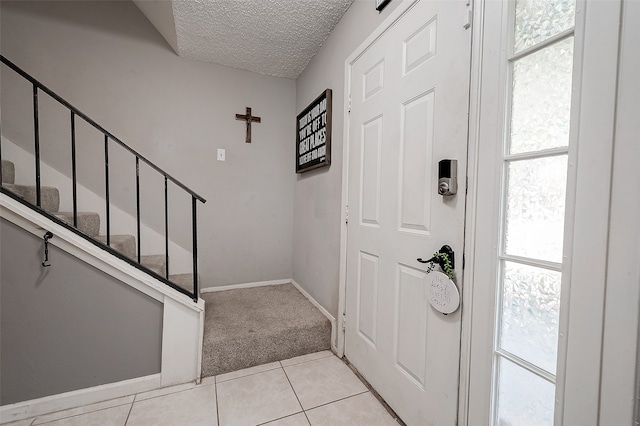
<point x="316" y="389"/>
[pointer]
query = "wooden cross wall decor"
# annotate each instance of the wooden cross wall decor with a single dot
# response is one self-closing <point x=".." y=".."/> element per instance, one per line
<point x="248" y="118"/>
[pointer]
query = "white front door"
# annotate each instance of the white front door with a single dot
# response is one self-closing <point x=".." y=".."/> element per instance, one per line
<point x="409" y="102"/>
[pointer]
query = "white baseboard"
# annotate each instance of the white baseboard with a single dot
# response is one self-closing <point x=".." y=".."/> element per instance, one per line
<point x="245" y="285"/>
<point x="77" y="398"/>
<point x="326" y="313"/>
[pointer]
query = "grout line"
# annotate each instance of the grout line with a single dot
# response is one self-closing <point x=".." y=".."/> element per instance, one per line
<point x="274" y="368"/>
<point x="160" y="396"/>
<point x="294" y="392"/>
<point x="374" y="392"/>
<point x="75" y="408"/>
<point x="337" y="400"/>
<point x="280" y="418"/>
<point x="129" y="413"/>
<point x="217" y="407"/>
<point x="250" y="374"/>
<point x="310" y="360"/>
<point x="78" y="415"/>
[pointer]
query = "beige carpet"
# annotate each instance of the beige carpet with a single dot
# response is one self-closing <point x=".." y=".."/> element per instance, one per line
<point x="253" y="326"/>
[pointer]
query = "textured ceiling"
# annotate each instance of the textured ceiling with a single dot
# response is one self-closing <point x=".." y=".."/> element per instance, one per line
<point x="273" y="37"/>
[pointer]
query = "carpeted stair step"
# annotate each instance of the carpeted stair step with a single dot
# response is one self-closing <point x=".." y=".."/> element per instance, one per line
<point x="252" y="326"/>
<point x="8" y="172"/>
<point x="88" y="222"/>
<point x="125" y="244"/>
<point x="155" y="262"/>
<point x="184" y="281"/>
<point x="49" y="196"/>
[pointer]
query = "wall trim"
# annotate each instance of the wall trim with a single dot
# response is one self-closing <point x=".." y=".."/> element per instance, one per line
<point x="326" y="313"/>
<point x="48" y="404"/>
<point x="245" y="285"/>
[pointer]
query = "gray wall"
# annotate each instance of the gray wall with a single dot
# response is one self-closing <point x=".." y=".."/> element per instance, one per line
<point x="109" y="61"/>
<point x="318" y="194"/>
<point x="69" y="326"/>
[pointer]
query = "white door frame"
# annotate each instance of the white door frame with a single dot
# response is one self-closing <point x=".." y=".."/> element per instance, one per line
<point x="351" y="59"/>
<point x="475" y="91"/>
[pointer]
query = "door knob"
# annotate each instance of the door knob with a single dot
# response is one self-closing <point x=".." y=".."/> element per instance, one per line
<point x="445" y="249"/>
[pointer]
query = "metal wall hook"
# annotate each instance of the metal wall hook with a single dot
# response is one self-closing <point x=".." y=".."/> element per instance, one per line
<point x="47" y="236"/>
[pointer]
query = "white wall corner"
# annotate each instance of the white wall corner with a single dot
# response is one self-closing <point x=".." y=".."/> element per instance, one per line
<point x="181" y="343"/>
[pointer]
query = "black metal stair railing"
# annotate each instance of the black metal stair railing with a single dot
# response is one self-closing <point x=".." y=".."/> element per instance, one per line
<point x="108" y="137"/>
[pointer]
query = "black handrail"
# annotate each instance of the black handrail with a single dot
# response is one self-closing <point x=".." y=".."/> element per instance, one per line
<point x="107" y="135"/>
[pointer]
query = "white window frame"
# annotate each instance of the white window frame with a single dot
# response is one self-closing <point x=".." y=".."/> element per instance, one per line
<point x="580" y="398"/>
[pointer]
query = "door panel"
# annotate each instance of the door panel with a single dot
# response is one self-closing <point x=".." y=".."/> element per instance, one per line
<point x="420" y="46"/>
<point x="371" y="161"/>
<point x="368" y="297"/>
<point x="409" y="92"/>
<point x="416" y="157"/>
<point x="411" y="324"/>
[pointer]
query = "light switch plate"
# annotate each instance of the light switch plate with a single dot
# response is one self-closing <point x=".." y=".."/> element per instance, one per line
<point x="221" y="154"/>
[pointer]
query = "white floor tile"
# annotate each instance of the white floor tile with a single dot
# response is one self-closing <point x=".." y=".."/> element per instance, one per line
<point x="115" y="416"/>
<point x="164" y="391"/>
<point x="322" y="381"/>
<point x="193" y="407"/>
<point x="247" y="372"/>
<point x="83" y="410"/>
<point x="296" y="420"/>
<point x="208" y="381"/>
<point x="305" y="358"/>
<point x="361" y="410"/>
<point x="256" y="399"/>
<point x="267" y="395"/>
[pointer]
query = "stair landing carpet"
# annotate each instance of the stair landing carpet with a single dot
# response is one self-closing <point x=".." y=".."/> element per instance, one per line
<point x="253" y="326"/>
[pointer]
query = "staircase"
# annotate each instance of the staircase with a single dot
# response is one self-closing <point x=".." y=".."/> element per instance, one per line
<point x="46" y="199"/>
<point x="88" y="223"/>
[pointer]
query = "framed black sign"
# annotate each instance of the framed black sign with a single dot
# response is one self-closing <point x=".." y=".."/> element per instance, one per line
<point x="381" y="4"/>
<point x="313" y="134"/>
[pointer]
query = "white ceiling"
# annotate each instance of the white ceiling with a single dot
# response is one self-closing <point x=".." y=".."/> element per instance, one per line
<point x="273" y="37"/>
